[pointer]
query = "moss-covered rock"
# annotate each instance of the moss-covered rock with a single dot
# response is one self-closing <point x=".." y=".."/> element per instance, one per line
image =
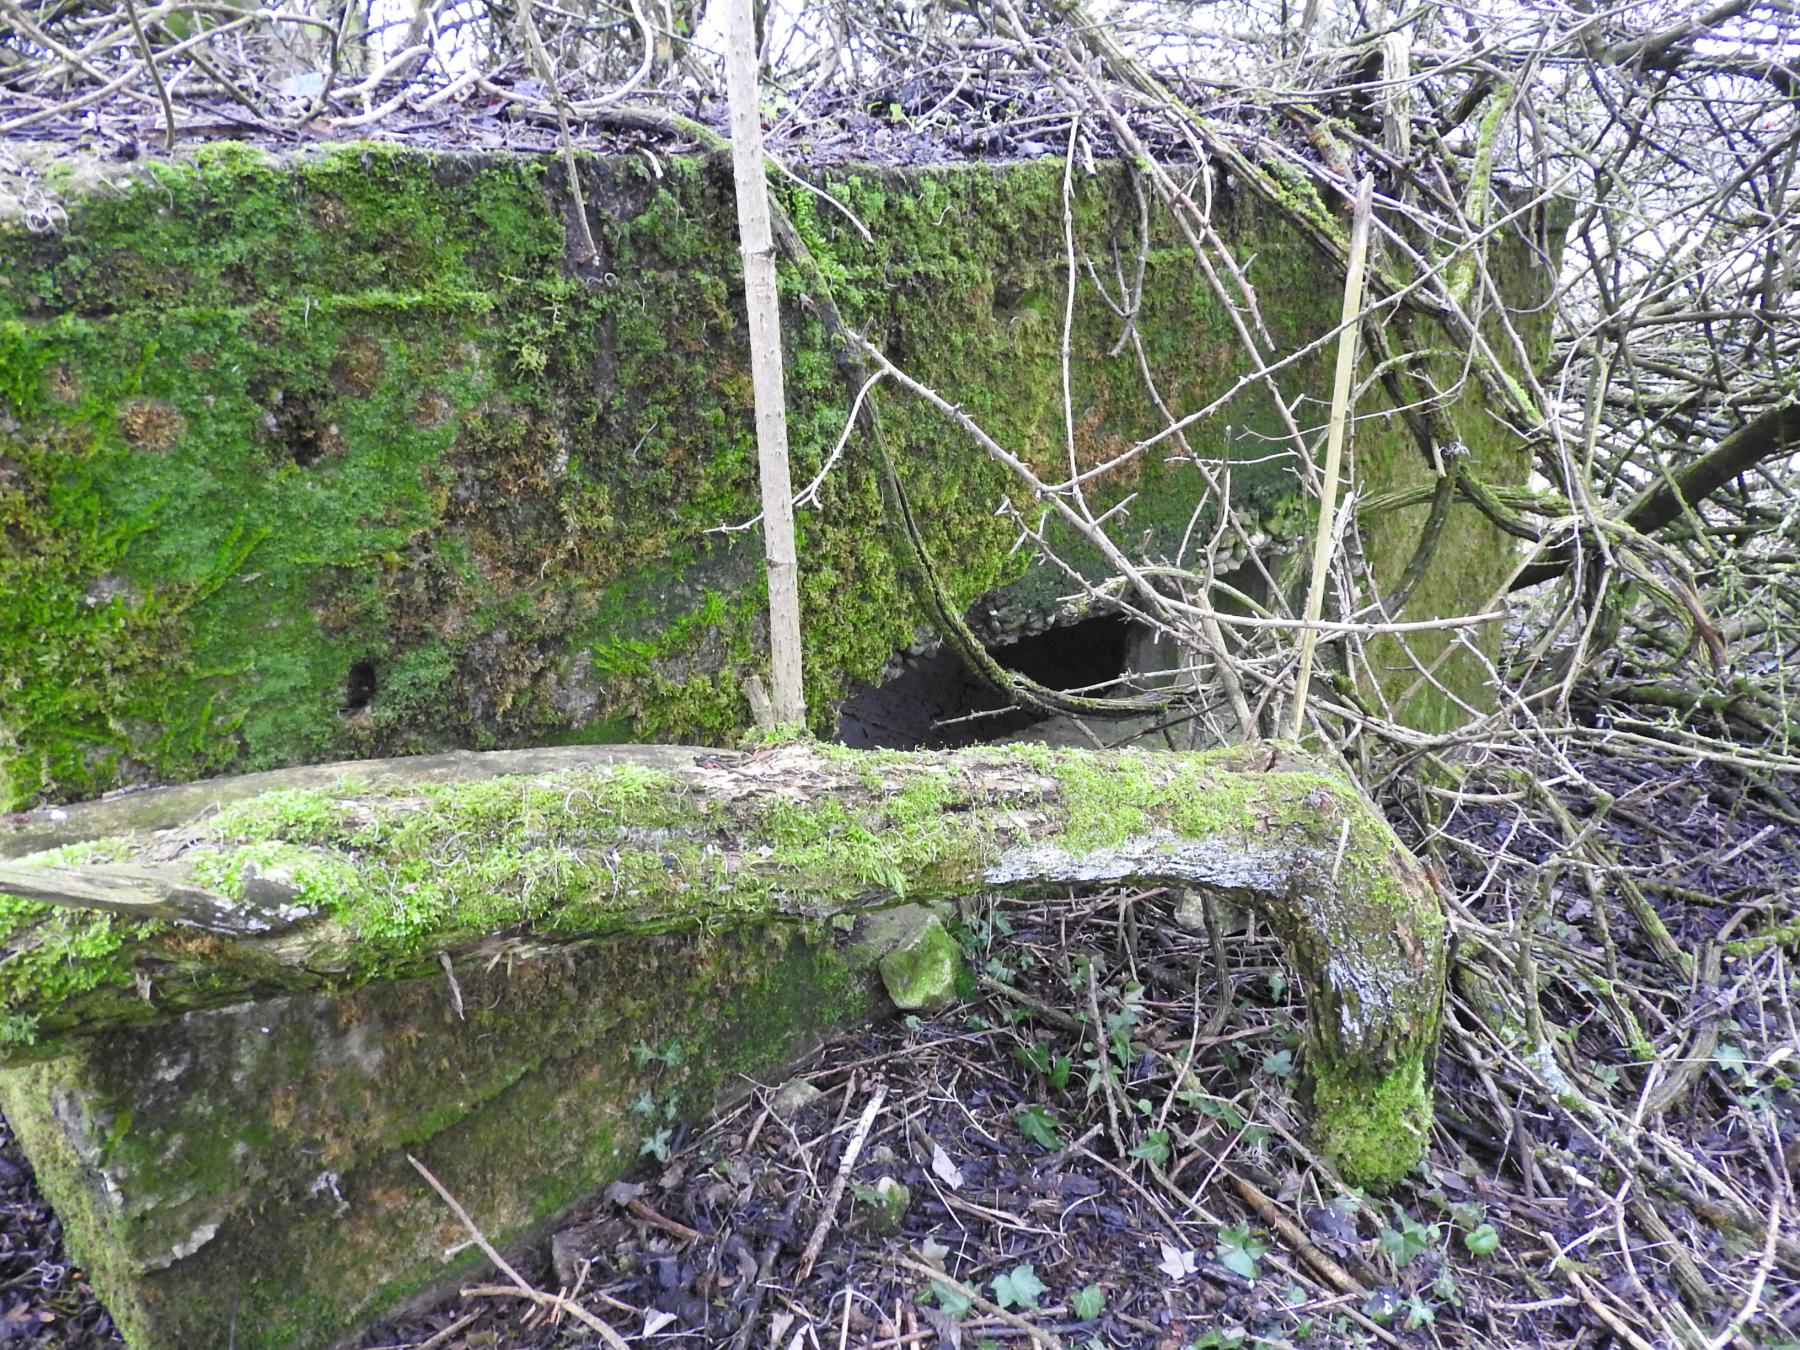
<point x="881" y="1209"/>
<point x="343" y="455"/>
<point x="920" y="974"/>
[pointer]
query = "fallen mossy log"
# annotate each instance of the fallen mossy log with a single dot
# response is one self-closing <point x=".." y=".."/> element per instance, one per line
<point x="370" y="873"/>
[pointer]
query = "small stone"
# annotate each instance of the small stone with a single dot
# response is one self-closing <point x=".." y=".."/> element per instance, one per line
<point x="920" y="974"/>
<point x="569" y="1251"/>
<point x="1190" y="912"/>
<point x="794" y="1098"/>
<point x="882" y="1207"/>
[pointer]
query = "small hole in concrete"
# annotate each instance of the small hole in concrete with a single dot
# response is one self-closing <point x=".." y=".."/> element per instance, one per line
<point x="307" y="446"/>
<point x="921" y="708"/>
<point x="359" y="686"/>
<point x="297" y="427"/>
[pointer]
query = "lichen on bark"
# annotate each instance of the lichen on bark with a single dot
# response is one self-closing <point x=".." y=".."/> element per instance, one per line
<point x="390" y="879"/>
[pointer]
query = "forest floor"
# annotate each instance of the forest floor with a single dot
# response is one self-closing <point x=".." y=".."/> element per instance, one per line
<point x="1155" y="1190"/>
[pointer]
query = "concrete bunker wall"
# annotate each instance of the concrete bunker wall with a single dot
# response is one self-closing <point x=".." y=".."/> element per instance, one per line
<point x="347" y="455"/>
<point x="241" y="1175"/>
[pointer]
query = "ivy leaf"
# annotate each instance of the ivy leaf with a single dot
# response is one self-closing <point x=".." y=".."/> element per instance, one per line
<point x="1153" y="1147"/>
<point x="1087" y="1303"/>
<point x="1239" y="1251"/>
<point x="1223" y="1112"/>
<point x="1036" y="1057"/>
<point x="1406" y="1242"/>
<point x="954" y="1304"/>
<point x="1468" y="1213"/>
<point x="656" y="1145"/>
<point x="1019" y="1286"/>
<point x="1280" y="1064"/>
<point x="1041" y="1127"/>
<point x="1733" y="1058"/>
<point x="1418" y="1313"/>
<point x="1483" y="1240"/>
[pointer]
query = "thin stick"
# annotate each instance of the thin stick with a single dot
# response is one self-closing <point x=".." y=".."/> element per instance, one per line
<point x="162" y="90"/>
<point x="1044" y="1338"/>
<point x="758" y="244"/>
<point x="534" y="42"/>
<point x="1753" y="1299"/>
<point x="1614" y="1323"/>
<point x="1294" y="1235"/>
<point x="443" y="1337"/>
<point x="520" y="1283"/>
<point x="816" y="1242"/>
<point x="1102" y="1056"/>
<point x="1334" y="446"/>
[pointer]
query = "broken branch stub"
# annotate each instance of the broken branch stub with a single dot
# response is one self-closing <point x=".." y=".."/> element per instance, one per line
<point x="382" y="875"/>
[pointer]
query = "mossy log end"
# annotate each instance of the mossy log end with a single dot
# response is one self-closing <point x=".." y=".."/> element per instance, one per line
<point x="328" y="878"/>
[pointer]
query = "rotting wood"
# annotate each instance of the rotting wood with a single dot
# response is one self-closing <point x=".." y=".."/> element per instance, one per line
<point x="395" y="865"/>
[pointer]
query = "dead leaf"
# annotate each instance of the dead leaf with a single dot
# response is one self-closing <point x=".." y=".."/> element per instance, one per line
<point x="947" y="1172"/>
<point x="624" y="1192"/>
<point x="949" y="1330"/>
<point x="1176" y="1263"/>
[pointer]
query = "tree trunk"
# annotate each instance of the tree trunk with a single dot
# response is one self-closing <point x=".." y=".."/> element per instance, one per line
<point x="304" y="887"/>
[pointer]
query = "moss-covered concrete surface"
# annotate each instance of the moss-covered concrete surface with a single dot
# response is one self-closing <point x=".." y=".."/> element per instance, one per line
<point x="344" y="456"/>
<point x="241" y="1176"/>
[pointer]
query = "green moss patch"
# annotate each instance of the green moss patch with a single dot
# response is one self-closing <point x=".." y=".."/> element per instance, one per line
<point x="393" y="876"/>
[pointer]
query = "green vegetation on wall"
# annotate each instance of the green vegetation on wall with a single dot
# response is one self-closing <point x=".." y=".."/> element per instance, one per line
<point x="242" y="1178"/>
<point x="344" y="456"/>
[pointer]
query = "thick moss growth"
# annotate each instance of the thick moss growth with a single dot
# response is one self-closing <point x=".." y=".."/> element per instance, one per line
<point x="342" y="456"/>
<point x="241" y="1176"/>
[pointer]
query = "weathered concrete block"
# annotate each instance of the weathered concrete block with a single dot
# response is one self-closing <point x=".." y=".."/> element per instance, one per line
<point x="242" y="1172"/>
<point x="389" y="877"/>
